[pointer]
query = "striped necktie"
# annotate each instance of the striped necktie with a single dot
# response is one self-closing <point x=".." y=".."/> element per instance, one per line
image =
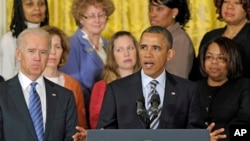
<point x="154" y="119"/>
<point x="36" y="111"/>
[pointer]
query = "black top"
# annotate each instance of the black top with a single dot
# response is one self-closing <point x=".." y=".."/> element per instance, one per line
<point x="227" y="104"/>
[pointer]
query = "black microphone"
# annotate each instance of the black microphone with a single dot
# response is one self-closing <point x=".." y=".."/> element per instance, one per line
<point x="155" y="102"/>
<point x="142" y="113"/>
<point x="140" y="107"/>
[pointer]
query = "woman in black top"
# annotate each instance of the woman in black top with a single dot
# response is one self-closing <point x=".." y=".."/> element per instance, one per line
<point x="224" y="94"/>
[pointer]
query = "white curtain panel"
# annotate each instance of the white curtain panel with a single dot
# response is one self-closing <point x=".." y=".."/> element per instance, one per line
<point x="3" y="15"/>
<point x="3" y="22"/>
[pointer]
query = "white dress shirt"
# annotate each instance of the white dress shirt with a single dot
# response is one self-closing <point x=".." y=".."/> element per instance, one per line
<point x="160" y="87"/>
<point x="40" y="88"/>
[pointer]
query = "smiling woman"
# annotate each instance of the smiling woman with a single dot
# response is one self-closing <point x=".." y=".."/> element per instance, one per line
<point x="87" y="46"/>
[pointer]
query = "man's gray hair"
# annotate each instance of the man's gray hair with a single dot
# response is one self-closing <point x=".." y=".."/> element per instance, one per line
<point x="37" y="31"/>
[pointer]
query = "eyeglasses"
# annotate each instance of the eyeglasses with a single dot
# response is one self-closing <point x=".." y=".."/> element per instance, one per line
<point x="219" y="59"/>
<point x="93" y="16"/>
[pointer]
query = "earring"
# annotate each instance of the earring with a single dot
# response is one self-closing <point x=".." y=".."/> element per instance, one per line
<point x="173" y="17"/>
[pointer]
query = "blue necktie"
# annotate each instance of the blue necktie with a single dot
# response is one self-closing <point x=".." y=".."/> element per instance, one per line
<point x="36" y="111"/>
<point x="154" y="124"/>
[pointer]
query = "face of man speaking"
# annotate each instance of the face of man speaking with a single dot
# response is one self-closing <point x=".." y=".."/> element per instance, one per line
<point x="154" y="54"/>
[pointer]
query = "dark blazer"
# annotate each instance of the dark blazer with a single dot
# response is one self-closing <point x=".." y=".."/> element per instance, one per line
<point x="226" y="105"/>
<point x="16" y="123"/>
<point x="181" y="108"/>
<point x="1" y="79"/>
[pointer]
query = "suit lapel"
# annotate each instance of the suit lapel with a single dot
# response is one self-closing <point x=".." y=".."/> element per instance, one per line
<point x="135" y="87"/>
<point x="135" y="93"/>
<point x="51" y="101"/>
<point x="90" y="51"/>
<point x="17" y="96"/>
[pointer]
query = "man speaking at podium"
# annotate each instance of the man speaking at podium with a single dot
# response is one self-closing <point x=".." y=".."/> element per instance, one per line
<point x="151" y="98"/>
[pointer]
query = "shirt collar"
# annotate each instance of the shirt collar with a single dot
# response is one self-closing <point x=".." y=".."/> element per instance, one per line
<point x="85" y="36"/>
<point x="25" y="81"/>
<point x="146" y="79"/>
<point x="32" y="25"/>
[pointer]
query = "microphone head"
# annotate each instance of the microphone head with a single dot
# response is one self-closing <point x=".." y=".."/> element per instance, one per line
<point x="155" y="98"/>
<point x="155" y="102"/>
<point x="140" y="107"/>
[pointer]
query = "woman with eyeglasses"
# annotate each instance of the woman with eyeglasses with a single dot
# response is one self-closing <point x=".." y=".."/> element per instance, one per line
<point x="87" y="48"/>
<point x="224" y="94"/>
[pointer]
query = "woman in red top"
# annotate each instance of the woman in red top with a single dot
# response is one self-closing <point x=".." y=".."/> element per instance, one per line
<point x="122" y="60"/>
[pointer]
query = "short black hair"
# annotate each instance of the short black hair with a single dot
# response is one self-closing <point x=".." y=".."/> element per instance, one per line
<point x="183" y="15"/>
<point x="161" y="30"/>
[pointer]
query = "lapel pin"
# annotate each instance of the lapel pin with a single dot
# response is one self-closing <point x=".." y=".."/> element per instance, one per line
<point x="172" y="93"/>
<point x="90" y="49"/>
<point x="53" y="94"/>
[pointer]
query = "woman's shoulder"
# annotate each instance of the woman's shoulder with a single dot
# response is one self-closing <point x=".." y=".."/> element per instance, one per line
<point x="7" y="37"/>
<point x="215" y="32"/>
<point x="210" y="35"/>
<point x="70" y="80"/>
<point x="100" y="83"/>
<point x="241" y="81"/>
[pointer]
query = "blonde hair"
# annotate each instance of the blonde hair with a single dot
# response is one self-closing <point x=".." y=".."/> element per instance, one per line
<point x="110" y="69"/>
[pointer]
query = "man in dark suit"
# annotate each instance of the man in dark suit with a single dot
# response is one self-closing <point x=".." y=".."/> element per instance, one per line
<point x="178" y="102"/>
<point x="57" y="113"/>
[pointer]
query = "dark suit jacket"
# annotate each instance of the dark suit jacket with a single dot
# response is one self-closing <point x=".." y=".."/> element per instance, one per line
<point x="226" y="105"/>
<point x="1" y="79"/>
<point x="16" y="123"/>
<point x="180" y="110"/>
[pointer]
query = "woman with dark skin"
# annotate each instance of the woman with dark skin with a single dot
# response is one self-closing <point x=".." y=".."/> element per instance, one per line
<point x="26" y="14"/>
<point x="173" y="15"/>
<point x="224" y="94"/>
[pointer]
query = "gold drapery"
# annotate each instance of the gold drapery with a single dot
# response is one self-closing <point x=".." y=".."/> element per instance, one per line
<point x="132" y="16"/>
